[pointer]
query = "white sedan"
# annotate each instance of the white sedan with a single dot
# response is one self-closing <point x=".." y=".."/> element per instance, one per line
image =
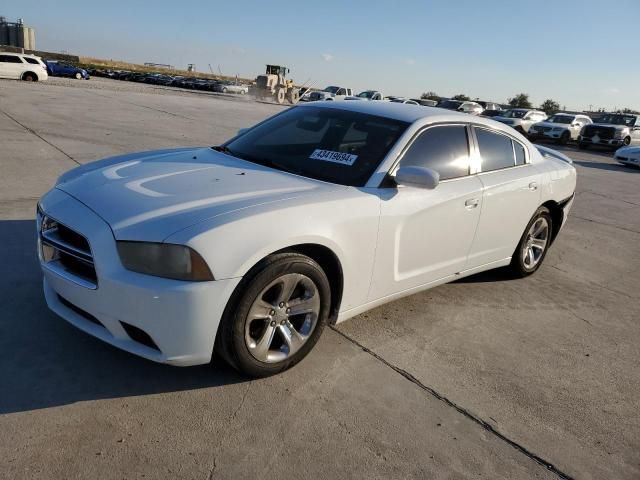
<point x="629" y="156"/>
<point x="315" y="215"/>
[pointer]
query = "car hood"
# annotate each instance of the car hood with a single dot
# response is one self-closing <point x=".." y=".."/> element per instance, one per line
<point x="629" y="152"/>
<point x="149" y="196"/>
<point x="506" y="120"/>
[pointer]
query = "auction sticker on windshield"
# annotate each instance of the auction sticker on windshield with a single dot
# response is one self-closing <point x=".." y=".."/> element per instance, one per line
<point x="335" y="157"/>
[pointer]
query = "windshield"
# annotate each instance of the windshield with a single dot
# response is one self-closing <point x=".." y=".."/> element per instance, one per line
<point x="451" y="104"/>
<point x="560" y="119"/>
<point x="331" y="89"/>
<point x="628" y="120"/>
<point x="515" y="113"/>
<point x="333" y="145"/>
<point x="366" y="94"/>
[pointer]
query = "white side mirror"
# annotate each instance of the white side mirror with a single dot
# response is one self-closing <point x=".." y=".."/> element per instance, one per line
<point x="421" y="177"/>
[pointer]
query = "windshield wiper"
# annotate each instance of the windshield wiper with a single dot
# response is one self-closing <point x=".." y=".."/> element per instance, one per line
<point x="223" y="149"/>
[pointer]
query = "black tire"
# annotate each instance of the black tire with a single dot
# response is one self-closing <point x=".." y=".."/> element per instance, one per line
<point x="518" y="266"/>
<point x="231" y="343"/>
<point x="564" y="138"/>
<point x="626" y="142"/>
<point x="583" y="145"/>
<point x="30" y="77"/>
<point x="280" y="95"/>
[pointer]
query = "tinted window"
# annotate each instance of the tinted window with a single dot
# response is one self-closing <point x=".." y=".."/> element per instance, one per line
<point x="520" y="155"/>
<point x="443" y="149"/>
<point x="10" y="59"/>
<point x="32" y="61"/>
<point x="328" y="144"/>
<point x="496" y="150"/>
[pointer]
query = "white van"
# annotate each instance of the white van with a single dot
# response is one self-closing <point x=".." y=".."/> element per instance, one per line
<point x="20" y="66"/>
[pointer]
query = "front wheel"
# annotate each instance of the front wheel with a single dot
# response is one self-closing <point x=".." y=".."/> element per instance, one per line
<point x="564" y="138"/>
<point x="627" y="141"/>
<point x="533" y="245"/>
<point x="276" y="315"/>
<point x="78" y="76"/>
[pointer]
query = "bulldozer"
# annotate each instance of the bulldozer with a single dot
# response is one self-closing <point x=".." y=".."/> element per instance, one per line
<point x="274" y="84"/>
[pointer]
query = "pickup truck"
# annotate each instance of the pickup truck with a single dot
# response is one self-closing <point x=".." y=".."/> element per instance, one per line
<point x="331" y="93"/>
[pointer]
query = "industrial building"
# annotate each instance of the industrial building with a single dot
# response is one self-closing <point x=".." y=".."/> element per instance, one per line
<point x="17" y="34"/>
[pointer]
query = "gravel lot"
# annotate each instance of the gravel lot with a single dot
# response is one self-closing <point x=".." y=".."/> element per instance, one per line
<point x="483" y="378"/>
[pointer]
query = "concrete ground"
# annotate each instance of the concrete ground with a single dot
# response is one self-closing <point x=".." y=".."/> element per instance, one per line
<point x="483" y="378"/>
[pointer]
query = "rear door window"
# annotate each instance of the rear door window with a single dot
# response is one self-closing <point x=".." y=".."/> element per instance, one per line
<point x="32" y="61"/>
<point x="10" y="59"/>
<point x="496" y="150"/>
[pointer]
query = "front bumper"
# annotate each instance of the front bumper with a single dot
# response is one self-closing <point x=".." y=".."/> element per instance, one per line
<point x="180" y="318"/>
<point x="549" y="134"/>
<point x="627" y="160"/>
<point x="613" y="142"/>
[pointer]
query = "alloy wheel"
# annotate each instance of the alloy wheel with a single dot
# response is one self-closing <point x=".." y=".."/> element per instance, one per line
<point x="536" y="243"/>
<point x="282" y="318"/>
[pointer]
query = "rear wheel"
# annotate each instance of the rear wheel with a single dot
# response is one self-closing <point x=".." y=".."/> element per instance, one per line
<point x="29" y="77"/>
<point x="533" y="245"/>
<point x="276" y="315"/>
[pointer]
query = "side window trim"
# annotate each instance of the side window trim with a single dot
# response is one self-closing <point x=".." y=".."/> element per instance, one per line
<point x="471" y="148"/>
<point x="527" y="158"/>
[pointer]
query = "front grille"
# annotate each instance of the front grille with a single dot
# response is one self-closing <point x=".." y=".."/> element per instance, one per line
<point x="67" y="252"/>
<point x="605" y="133"/>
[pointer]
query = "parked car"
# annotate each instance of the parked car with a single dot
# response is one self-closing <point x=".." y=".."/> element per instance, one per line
<point x="425" y="102"/>
<point x="148" y="253"/>
<point x="449" y="104"/>
<point x="232" y="88"/>
<point x="629" y="156"/>
<point x="367" y="95"/>
<point x="405" y="101"/>
<point x="20" y="66"/>
<point x="521" y="119"/>
<point x="493" y="113"/>
<point x="331" y="93"/>
<point x="471" y="108"/>
<point x="561" y="127"/>
<point x="489" y="105"/>
<point x="56" y="68"/>
<point x="611" y="130"/>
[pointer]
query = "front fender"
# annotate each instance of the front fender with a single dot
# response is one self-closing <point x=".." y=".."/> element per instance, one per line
<point x="233" y="243"/>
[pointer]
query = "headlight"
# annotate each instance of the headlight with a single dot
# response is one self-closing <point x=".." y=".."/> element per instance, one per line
<point x="619" y="134"/>
<point x="167" y="260"/>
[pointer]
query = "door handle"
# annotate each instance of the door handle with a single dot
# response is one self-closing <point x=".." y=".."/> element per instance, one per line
<point x="471" y="203"/>
<point x="533" y="186"/>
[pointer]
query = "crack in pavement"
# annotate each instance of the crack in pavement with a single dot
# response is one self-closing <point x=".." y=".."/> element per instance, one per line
<point x="479" y="421"/>
<point x="604" y="223"/>
<point x="32" y="131"/>
<point x="142" y="106"/>
<point x="609" y="197"/>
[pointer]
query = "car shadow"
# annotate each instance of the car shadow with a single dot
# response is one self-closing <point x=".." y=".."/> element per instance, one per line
<point x="502" y="274"/>
<point x="614" y="167"/>
<point x="46" y="362"/>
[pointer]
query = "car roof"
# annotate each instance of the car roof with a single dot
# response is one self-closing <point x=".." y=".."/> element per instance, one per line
<point x="409" y="113"/>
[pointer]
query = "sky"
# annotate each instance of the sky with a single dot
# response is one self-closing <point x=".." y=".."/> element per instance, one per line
<point x="581" y="53"/>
